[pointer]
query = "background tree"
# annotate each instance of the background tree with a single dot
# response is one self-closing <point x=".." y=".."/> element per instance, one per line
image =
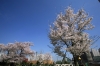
<point x="68" y="31"/>
<point x="2" y="50"/>
<point x="16" y="52"/>
<point x="40" y="58"/>
<point x="44" y="58"/>
<point x="47" y="58"/>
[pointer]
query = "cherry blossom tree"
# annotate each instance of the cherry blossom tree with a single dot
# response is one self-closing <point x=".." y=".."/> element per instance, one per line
<point x="16" y="52"/>
<point x="40" y="58"/>
<point x="47" y="57"/>
<point x="2" y="50"/>
<point x="68" y="32"/>
<point x="44" y="58"/>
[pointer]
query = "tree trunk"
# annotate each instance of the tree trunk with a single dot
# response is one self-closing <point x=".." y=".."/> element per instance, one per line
<point x="75" y="61"/>
<point x="64" y="58"/>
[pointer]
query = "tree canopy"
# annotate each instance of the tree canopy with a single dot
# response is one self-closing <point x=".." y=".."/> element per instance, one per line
<point x="68" y="31"/>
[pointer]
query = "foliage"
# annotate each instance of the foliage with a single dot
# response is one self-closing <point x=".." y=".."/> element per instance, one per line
<point x="62" y="62"/>
<point x="38" y="63"/>
<point x="58" y="62"/>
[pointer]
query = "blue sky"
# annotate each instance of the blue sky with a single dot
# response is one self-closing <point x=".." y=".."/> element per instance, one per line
<point x="29" y="20"/>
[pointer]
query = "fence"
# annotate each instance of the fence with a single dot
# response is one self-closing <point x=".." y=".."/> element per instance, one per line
<point x="64" y="65"/>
